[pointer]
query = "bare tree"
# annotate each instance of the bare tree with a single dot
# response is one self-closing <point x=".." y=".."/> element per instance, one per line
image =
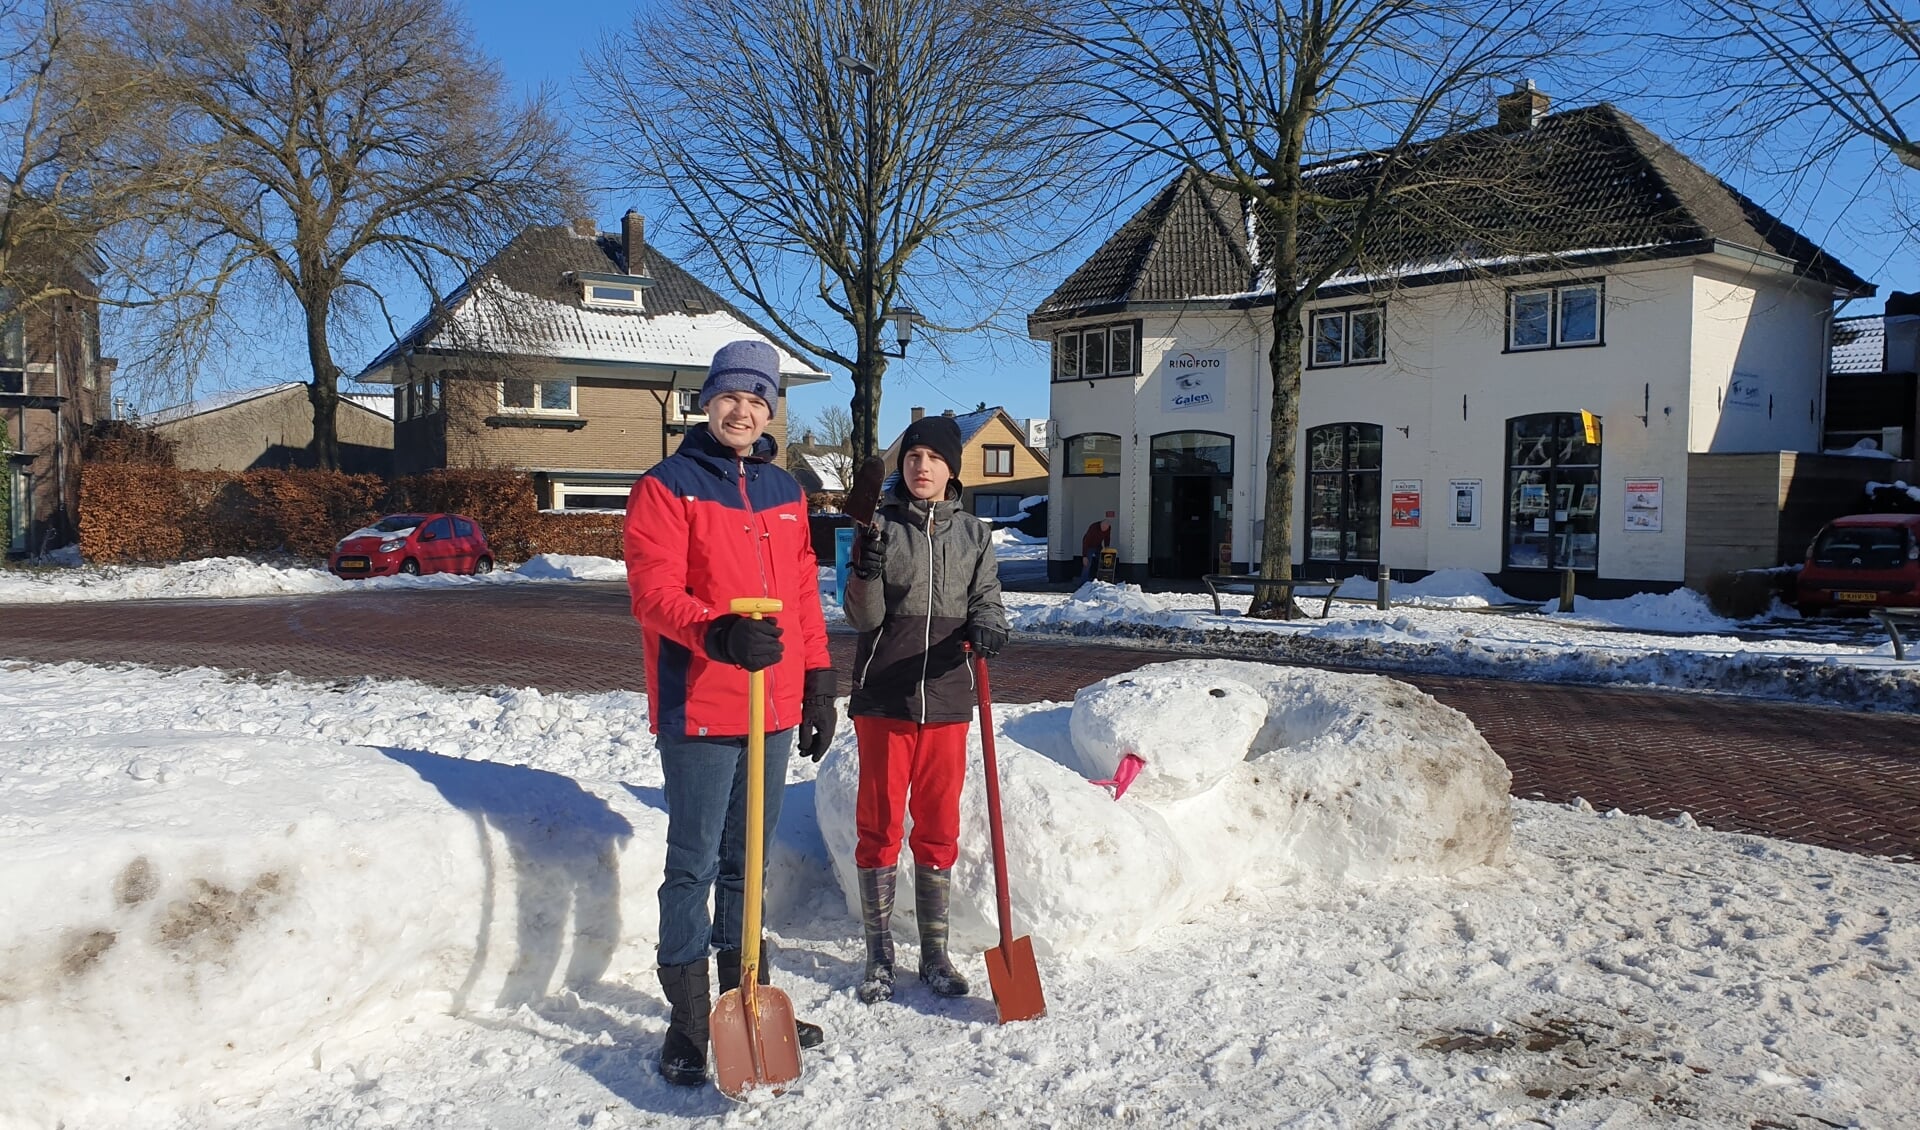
<point x="1256" y="98"/>
<point x="838" y="159"/>
<point x="1793" y="82"/>
<point x="341" y="144"/>
<point x="832" y="429"/>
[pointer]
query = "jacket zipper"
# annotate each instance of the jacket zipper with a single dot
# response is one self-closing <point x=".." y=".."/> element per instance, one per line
<point x="759" y="560"/>
<point x="926" y="640"/>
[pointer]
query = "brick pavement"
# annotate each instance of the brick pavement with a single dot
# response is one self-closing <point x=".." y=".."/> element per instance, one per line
<point x="1817" y="775"/>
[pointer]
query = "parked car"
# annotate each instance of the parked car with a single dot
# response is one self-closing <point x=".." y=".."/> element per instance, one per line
<point x="414" y="544"/>
<point x="1863" y="561"/>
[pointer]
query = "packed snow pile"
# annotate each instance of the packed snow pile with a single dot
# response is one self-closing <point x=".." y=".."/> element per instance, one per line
<point x="149" y="950"/>
<point x="241" y="576"/>
<point x="1097" y="604"/>
<point x="1253" y="774"/>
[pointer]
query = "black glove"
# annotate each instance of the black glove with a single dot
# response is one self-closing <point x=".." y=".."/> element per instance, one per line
<point x="744" y="641"/>
<point x="869" y="551"/>
<point x="986" y="639"/>
<point x="818" y="715"/>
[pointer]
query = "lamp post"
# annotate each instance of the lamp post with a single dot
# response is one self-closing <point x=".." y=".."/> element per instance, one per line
<point x="865" y="441"/>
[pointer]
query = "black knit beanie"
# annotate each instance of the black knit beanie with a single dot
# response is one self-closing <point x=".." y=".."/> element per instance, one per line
<point x="940" y="434"/>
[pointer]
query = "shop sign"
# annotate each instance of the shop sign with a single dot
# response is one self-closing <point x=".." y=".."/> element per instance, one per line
<point x="1466" y="504"/>
<point x="1406" y="502"/>
<point x="1094" y="465"/>
<point x="1643" y="506"/>
<point x="1194" y="381"/>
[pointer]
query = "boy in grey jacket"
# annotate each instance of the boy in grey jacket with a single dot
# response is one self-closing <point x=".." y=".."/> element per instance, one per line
<point x="926" y="585"/>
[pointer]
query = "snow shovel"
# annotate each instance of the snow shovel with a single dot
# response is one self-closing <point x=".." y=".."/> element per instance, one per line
<point x="1011" y="972"/>
<point x="864" y="497"/>
<point x="756" y="1042"/>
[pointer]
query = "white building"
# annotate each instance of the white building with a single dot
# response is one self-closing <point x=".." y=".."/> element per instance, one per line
<point x="1441" y="407"/>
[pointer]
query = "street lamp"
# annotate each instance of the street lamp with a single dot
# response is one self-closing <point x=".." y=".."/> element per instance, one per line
<point x="904" y="318"/>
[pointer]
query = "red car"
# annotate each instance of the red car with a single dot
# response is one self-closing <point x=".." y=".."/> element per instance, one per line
<point x="1863" y="561"/>
<point x="413" y="544"/>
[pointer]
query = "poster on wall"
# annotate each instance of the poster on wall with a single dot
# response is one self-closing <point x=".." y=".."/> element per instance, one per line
<point x="1194" y="380"/>
<point x="1406" y="502"/>
<point x="1643" y="506"/>
<point x="1465" y="514"/>
<point x="1745" y="390"/>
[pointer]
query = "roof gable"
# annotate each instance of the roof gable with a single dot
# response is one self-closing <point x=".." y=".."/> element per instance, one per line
<point x="1585" y="185"/>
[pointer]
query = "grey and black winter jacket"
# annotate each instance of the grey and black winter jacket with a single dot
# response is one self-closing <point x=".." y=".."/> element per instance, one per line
<point x="937" y="575"/>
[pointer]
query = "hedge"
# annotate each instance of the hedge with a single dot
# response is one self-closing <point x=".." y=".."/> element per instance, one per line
<point x="150" y="511"/>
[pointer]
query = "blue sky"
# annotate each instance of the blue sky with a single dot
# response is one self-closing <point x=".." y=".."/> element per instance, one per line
<point x="1845" y="209"/>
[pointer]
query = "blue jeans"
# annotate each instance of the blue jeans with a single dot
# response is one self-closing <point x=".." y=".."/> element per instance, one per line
<point x="707" y="839"/>
<point x="1088" y="563"/>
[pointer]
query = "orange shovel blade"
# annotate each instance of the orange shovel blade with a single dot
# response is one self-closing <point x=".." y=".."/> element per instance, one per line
<point x="755" y="1040"/>
<point x="1016" y="981"/>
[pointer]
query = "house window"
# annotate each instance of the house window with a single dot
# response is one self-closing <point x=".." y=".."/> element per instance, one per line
<point x="618" y="297"/>
<point x="1343" y="492"/>
<point x="1555" y="317"/>
<point x="13" y="354"/>
<point x="1095" y="453"/>
<point x="548" y="394"/>
<point x="999" y="460"/>
<point x="1348" y="337"/>
<point x="1097" y="351"/>
<point x="996" y="505"/>
<point x="1553" y="494"/>
<point x="595" y="494"/>
<point x="686" y="405"/>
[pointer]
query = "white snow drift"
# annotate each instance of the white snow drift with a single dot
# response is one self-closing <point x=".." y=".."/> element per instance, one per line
<point x="1254" y="774"/>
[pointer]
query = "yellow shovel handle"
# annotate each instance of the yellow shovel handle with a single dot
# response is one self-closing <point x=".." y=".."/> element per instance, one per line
<point x="756" y="607"/>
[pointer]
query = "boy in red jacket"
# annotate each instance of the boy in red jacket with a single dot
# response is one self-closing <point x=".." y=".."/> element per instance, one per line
<point x="720" y="519"/>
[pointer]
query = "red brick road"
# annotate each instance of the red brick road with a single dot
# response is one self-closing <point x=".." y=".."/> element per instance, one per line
<point x="1817" y="775"/>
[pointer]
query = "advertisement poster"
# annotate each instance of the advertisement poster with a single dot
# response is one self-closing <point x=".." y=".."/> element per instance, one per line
<point x="1643" y="506"/>
<point x="1406" y="502"/>
<point x="1194" y="380"/>
<point x="1466" y="503"/>
<point x="1745" y="390"/>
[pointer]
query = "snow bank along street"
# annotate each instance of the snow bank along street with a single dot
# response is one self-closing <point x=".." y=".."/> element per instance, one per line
<point x="262" y="903"/>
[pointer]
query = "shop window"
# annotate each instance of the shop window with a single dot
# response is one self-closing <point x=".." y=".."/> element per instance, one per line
<point x="523" y="394"/>
<point x="1555" y="317"/>
<point x="1353" y="336"/>
<point x="1343" y="492"/>
<point x="998" y="459"/>
<point x="1193" y="453"/>
<point x="1553" y="494"/>
<point x="1094" y="453"/>
<point x="1097" y="351"/>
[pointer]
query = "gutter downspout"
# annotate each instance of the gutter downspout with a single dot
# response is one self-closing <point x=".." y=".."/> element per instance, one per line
<point x="1827" y="318"/>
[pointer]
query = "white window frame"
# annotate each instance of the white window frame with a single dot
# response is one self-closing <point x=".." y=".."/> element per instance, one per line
<point x="1344" y="317"/>
<point x="677" y="409"/>
<point x="1556" y="337"/>
<point x="539" y="395"/>
<point x="588" y="297"/>
<point x="1070" y="351"/>
<point x="565" y="489"/>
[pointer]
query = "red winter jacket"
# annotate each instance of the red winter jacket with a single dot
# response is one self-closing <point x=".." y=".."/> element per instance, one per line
<point x="705" y="526"/>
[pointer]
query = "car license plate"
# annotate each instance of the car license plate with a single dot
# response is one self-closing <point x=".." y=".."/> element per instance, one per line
<point x="1858" y="597"/>
<point x="355" y="564"/>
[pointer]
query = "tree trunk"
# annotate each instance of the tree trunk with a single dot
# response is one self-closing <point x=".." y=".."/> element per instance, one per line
<point x="324" y="392"/>
<point x="1283" y="363"/>
<point x="869" y="368"/>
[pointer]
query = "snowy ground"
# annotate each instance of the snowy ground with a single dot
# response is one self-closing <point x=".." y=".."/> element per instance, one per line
<point x="252" y="904"/>
<point x="240" y="576"/>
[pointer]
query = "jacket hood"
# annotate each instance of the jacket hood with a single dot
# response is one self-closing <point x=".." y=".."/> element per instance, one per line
<point x="700" y="445"/>
<point x="916" y="511"/>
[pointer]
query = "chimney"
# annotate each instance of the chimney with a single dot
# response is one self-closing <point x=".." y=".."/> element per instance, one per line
<point x="633" y="239"/>
<point x="1521" y="110"/>
<point x="585" y="227"/>
<point x="918" y="412"/>
<point x="948" y="413"/>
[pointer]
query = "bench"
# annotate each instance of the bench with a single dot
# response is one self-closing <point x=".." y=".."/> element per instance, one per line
<point x="1891" y="619"/>
<point x="1289" y="588"/>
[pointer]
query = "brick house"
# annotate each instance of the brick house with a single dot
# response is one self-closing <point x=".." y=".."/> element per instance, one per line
<point x="247" y="429"/>
<point x="53" y="386"/>
<point x="573" y="355"/>
<point x="997" y="466"/>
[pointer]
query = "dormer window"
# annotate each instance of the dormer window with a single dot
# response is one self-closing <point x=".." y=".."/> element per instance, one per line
<point x="611" y="297"/>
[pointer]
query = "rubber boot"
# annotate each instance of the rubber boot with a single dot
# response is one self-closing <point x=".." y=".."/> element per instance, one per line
<point x="930" y="896"/>
<point x="810" y="1035"/>
<point x="683" y="1055"/>
<point x="876" y="909"/>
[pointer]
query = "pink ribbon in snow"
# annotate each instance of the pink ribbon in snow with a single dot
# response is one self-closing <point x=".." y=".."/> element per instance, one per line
<point x="1123" y="775"/>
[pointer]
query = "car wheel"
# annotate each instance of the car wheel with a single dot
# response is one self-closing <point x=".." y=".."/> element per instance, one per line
<point x="410" y="567"/>
<point x="482" y="565"/>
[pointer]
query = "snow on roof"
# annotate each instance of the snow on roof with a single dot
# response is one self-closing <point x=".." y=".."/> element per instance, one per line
<point x="1860" y="344"/>
<point x="503" y="320"/>
<point x="827" y="469"/>
<point x="379" y="403"/>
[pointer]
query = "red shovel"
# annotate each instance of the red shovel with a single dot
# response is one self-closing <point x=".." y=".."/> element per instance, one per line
<point x="1010" y="967"/>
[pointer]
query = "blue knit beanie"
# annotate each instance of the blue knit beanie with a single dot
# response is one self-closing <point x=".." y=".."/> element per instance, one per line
<point x="749" y="366"/>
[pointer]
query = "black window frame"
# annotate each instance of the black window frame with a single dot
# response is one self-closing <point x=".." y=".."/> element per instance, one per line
<point x="1105" y="332"/>
<point x="1068" y="463"/>
<point x="1013" y="502"/>
<point x="1346" y="474"/>
<point x="1561" y="477"/>
<point x="1346" y="314"/>
<point x="1554" y="337"/>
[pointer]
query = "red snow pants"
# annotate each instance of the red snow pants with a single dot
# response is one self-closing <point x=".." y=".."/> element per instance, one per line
<point x="906" y="767"/>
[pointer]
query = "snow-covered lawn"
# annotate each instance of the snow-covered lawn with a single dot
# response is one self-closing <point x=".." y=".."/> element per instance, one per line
<point x="241" y="903"/>
<point x="240" y="576"/>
